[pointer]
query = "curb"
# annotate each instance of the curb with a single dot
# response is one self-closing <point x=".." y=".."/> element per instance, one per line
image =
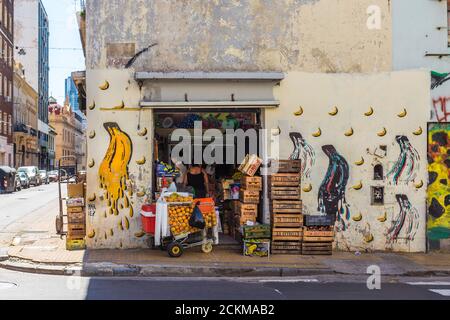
<point x="116" y="270"/>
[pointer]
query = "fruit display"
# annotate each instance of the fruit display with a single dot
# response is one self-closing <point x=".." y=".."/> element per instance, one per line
<point x="175" y="197"/>
<point x="179" y="216"/>
<point x="210" y="218"/>
<point x="320" y="228"/>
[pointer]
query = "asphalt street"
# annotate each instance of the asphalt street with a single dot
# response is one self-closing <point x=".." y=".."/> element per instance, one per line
<point x="15" y="285"/>
<point x="20" y="208"/>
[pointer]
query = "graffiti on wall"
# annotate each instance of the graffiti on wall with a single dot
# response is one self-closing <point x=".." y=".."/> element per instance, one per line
<point x="331" y="197"/>
<point x="438" y="197"/>
<point x="304" y="152"/>
<point x="438" y="79"/>
<point x="407" y="220"/>
<point x="440" y="109"/>
<point x="408" y="163"/>
<point x="114" y="174"/>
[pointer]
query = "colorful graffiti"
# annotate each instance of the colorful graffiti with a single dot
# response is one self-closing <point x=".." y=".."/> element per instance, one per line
<point x="304" y="152"/>
<point x="408" y="164"/>
<point x="331" y="197"/>
<point x="438" y="197"/>
<point x="408" y="216"/>
<point x="440" y="109"/>
<point x="113" y="171"/>
<point x="438" y="79"/>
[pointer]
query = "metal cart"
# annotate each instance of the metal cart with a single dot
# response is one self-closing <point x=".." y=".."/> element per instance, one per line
<point x="176" y="244"/>
<point x="71" y="176"/>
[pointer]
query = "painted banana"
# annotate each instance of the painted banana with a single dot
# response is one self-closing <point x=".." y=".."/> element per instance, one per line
<point x="308" y="188"/>
<point x="92" y="134"/>
<point x="350" y="132"/>
<point x="131" y="212"/>
<point x="299" y="112"/>
<point x="139" y="234"/>
<point x="368" y="238"/>
<point x="91" y="234"/>
<point x="120" y="225"/>
<point x="92" y="198"/>
<point x="382" y="133"/>
<point x="127" y="223"/>
<point x="419" y="185"/>
<point x="126" y="202"/>
<point x="91" y="163"/>
<point x="358" y="217"/>
<point x="359" y="186"/>
<point x="121" y="106"/>
<point x="369" y="113"/>
<point x="92" y="106"/>
<point x="140" y="194"/>
<point x="383" y="218"/>
<point x="104" y="86"/>
<point x="141" y="161"/>
<point x="143" y="132"/>
<point x="418" y="132"/>
<point x="360" y="162"/>
<point x="318" y="133"/>
<point x="403" y="114"/>
<point x="334" y="112"/>
<point x="111" y="233"/>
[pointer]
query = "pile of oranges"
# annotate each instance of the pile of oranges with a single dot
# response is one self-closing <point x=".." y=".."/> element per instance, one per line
<point x="179" y="216"/>
<point x="210" y="218"/>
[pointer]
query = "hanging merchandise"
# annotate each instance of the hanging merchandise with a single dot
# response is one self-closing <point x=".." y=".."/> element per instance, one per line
<point x="189" y="120"/>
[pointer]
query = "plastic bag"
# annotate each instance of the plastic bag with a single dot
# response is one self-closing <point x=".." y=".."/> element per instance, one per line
<point x="196" y="220"/>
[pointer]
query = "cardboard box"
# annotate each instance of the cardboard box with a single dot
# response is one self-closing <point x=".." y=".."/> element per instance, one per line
<point x="250" y="165"/>
<point x="75" y="202"/>
<point x="257" y="248"/>
<point x="75" y="190"/>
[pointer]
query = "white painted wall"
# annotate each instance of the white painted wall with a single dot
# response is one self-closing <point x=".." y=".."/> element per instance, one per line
<point x="415" y="33"/>
<point x="353" y="95"/>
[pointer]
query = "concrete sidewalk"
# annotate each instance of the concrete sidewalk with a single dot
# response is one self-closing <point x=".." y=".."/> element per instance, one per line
<point x="49" y="256"/>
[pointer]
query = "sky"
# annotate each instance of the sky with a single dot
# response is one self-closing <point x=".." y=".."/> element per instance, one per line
<point x="66" y="54"/>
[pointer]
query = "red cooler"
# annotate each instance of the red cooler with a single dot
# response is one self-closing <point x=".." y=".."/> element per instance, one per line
<point x="148" y="215"/>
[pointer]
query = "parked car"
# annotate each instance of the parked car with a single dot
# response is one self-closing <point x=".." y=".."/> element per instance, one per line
<point x="7" y="179"/>
<point x="44" y="176"/>
<point x="33" y="174"/>
<point x="23" y="180"/>
<point x="53" y="176"/>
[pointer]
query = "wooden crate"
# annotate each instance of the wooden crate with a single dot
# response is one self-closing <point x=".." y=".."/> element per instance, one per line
<point x="313" y="233"/>
<point x="286" y="206"/>
<point x="317" y="248"/>
<point x="249" y="196"/>
<point x="247" y="209"/>
<point x="285" y="193"/>
<point x="284" y="180"/>
<point x="76" y="230"/>
<point x="287" y="166"/>
<point x="260" y="231"/>
<point x="251" y="183"/>
<point x="241" y="220"/>
<point x="255" y="248"/>
<point x="287" y="220"/>
<point x="287" y="234"/>
<point x="286" y="247"/>
<point x="73" y="244"/>
<point x="76" y="217"/>
<point x="75" y="209"/>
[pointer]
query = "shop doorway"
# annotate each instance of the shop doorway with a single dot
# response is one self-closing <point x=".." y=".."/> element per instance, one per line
<point x="167" y="154"/>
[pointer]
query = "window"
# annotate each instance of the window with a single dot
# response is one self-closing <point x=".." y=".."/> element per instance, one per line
<point x="377" y="196"/>
<point x="9" y="125"/>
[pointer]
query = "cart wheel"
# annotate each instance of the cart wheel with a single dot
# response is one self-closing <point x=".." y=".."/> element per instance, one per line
<point x="59" y="225"/>
<point x="175" y="250"/>
<point x="207" y="247"/>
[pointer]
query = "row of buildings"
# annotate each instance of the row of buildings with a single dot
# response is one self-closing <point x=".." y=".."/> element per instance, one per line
<point x="34" y="130"/>
<point x="357" y="89"/>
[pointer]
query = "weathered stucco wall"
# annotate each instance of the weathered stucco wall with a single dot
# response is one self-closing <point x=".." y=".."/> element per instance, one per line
<point x="353" y="135"/>
<point x="119" y="160"/>
<point x="240" y="35"/>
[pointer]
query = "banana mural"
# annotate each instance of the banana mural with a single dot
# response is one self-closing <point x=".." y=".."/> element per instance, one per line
<point x="113" y="172"/>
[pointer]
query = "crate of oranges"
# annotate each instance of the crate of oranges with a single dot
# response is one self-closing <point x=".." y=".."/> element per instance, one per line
<point x="179" y="215"/>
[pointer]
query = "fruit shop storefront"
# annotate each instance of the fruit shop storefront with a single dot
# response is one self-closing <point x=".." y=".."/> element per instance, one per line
<point x="350" y="132"/>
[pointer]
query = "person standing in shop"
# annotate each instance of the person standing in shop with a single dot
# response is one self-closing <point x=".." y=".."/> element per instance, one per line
<point x="197" y="178"/>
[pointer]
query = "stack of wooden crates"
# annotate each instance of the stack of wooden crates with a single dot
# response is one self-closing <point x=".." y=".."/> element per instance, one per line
<point x="286" y="208"/>
<point x="76" y="217"/>
<point x="318" y="235"/>
<point x="247" y="207"/>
